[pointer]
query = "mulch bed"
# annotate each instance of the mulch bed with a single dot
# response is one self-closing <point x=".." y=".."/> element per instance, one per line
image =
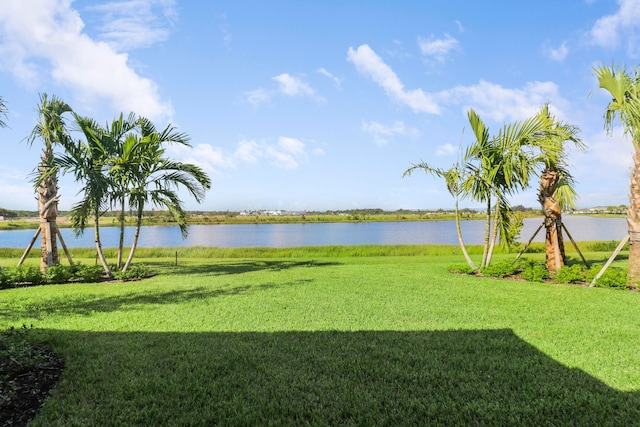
<point x="25" y="384"/>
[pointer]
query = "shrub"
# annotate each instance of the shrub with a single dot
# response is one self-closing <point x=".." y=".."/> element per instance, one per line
<point x="534" y="271"/>
<point x="135" y="272"/>
<point x="31" y="275"/>
<point x="58" y="274"/>
<point x="87" y="273"/>
<point x="613" y="277"/>
<point x="500" y="269"/>
<point x="6" y="279"/>
<point x="605" y="246"/>
<point x="570" y="274"/>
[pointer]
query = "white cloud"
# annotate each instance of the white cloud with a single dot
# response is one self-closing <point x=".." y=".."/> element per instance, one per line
<point x="324" y="72"/>
<point x="368" y="63"/>
<point x="438" y="48"/>
<point x="460" y="27"/>
<point x="130" y="24"/>
<point x="608" y="31"/>
<point x="501" y="104"/>
<point x="492" y="101"/>
<point x="258" y="96"/>
<point x="559" y="54"/>
<point x="382" y="134"/>
<point x="46" y="39"/>
<point x="248" y="151"/>
<point x="288" y="85"/>
<point x="446" y="150"/>
<point x="286" y="153"/>
<point x="293" y="86"/>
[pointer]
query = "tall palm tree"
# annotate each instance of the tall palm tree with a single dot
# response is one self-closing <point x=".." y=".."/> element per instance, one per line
<point x="499" y="167"/>
<point x="51" y="129"/>
<point x="119" y="163"/>
<point x="156" y="178"/>
<point x="624" y="86"/>
<point x="556" y="190"/>
<point x="87" y="160"/>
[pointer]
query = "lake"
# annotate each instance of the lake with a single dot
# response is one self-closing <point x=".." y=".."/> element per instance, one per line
<point x="318" y="234"/>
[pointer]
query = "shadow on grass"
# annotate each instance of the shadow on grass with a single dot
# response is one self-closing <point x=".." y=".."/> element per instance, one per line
<point x="217" y="268"/>
<point x="485" y="377"/>
<point x="89" y="304"/>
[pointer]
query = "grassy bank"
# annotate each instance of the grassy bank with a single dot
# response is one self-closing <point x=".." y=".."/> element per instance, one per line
<point x="320" y="336"/>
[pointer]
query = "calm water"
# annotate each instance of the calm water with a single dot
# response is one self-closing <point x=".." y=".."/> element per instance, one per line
<point x="316" y="234"/>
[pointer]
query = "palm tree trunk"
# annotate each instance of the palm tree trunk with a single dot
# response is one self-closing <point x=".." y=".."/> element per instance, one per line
<point x="462" y="246"/>
<point x="633" y="222"/>
<point x="48" y="211"/>
<point x="121" y="241"/>
<point x="494" y="237"/>
<point x="134" y="245"/>
<point x="487" y="235"/>
<point x="101" y="256"/>
<point x="554" y="243"/>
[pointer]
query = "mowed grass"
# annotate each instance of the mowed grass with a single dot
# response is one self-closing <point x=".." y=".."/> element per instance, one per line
<point x="343" y="339"/>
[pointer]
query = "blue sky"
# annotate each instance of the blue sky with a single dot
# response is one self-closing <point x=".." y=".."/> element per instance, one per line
<point x="318" y="105"/>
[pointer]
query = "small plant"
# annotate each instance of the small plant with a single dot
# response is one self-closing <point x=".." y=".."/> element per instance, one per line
<point x="534" y="271"/>
<point x="500" y="269"/>
<point x="570" y="274"/>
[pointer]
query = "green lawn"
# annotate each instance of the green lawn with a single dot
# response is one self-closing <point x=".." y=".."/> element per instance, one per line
<point x="326" y="340"/>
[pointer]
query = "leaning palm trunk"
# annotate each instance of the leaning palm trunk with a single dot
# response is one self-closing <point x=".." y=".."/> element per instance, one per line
<point x="494" y="236"/>
<point x="554" y="243"/>
<point x="48" y="211"/>
<point x="121" y="241"/>
<point x="633" y="221"/>
<point x="101" y="256"/>
<point x="487" y="236"/>
<point x="134" y="245"/>
<point x="462" y="246"/>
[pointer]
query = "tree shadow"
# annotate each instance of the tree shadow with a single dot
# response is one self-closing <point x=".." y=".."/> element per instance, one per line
<point x="89" y="304"/>
<point x="481" y="377"/>
<point x="217" y="268"/>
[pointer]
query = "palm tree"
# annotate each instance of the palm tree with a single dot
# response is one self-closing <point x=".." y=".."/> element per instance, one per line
<point x="119" y="164"/>
<point x="155" y="178"/>
<point x="86" y="159"/>
<point x="51" y="129"/>
<point x="556" y="190"/>
<point x="453" y="178"/>
<point x="498" y="167"/>
<point x="624" y="86"/>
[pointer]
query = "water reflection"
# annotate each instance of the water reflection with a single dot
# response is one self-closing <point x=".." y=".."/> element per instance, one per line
<point x="316" y="234"/>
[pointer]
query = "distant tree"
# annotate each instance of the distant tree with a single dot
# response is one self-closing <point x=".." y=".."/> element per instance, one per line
<point x="51" y="129"/>
<point x="624" y="87"/>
